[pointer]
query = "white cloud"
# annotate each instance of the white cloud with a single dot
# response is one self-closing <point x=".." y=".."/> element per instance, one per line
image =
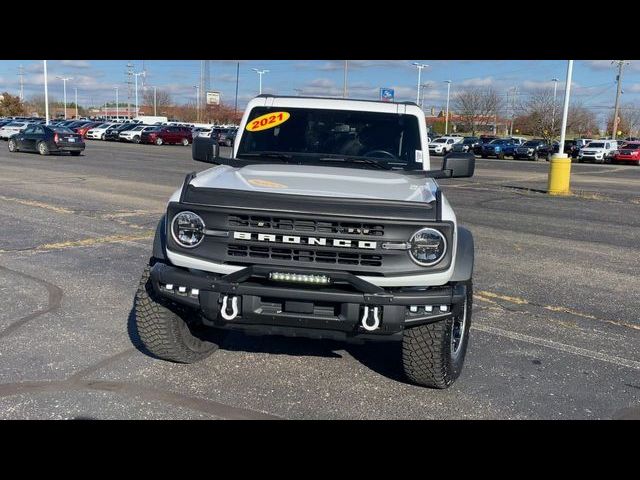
<point x="478" y="82"/>
<point x="75" y="63"/>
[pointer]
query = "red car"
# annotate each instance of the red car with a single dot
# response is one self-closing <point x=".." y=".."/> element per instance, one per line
<point x="168" y="135"/>
<point x="628" y="153"/>
<point x="83" y="129"/>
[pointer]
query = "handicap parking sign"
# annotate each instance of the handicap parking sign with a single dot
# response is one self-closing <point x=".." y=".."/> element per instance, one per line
<point x="386" y="94"/>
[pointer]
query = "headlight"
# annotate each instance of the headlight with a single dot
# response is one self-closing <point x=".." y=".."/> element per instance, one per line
<point x="428" y="247"/>
<point x="187" y="229"/>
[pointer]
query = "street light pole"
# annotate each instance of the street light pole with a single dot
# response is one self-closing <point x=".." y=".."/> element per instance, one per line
<point x="46" y="94"/>
<point x="560" y="164"/>
<point x="420" y="66"/>
<point x="76" y="89"/>
<point x="136" y="75"/>
<point x="553" y="114"/>
<point x="155" y="108"/>
<point x="117" y="106"/>
<point x="446" y="120"/>
<point x="344" y="88"/>
<point x="64" y="94"/>
<point x="197" y="87"/>
<point x="260" y="73"/>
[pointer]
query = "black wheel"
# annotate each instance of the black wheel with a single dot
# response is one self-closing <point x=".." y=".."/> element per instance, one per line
<point x="102" y="137"/>
<point x="43" y="148"/>
<point x="548" y="157"/>
<point x="136" y="139"/>
<point x="75" y="154"/>
<point x="535" y="156"/>
<point x="501" y="156"/>
<point x="170" y="332"/>
<point x="185" y="142"/>
<point x="159" y="141"/>
<point x="433" y="354"/>
<point x="13" y="146"/>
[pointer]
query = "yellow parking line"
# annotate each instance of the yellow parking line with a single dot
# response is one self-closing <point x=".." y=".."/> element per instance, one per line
<point x="517" y="300"/>
<point x="87" y="242"/>
<point x="33" y="203"/>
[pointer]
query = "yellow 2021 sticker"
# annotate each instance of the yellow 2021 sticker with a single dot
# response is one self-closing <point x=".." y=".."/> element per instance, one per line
<point x="269" y="120"/>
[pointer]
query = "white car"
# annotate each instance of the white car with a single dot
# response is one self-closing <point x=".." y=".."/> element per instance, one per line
<point x="11" y="129"/>
<point x="133" y="135"/>
<point x="98" y="132"/>
<point x="598" y="151"/>
<point x="443" y="145"/>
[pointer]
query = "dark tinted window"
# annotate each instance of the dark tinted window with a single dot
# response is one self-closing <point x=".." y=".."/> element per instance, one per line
<point x="337" y="132"/>
<point x="61" y="130"/>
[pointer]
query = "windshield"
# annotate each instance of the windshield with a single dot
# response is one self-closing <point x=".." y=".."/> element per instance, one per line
<point x="468" y="141"/>
<point x="596" y="145"/>
<point x="318" y="132"/>
<point x="499" y="142"/>
<point x="15" y="124"/>
<point x="632" y="146"/>
<point x="61" y="130"/>
<point x="533" y="143"/>
<point x="439" y="140"/>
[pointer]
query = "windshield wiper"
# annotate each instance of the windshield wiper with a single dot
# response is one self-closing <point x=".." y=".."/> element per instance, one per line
<point x="279" y="155"/>
<point x="287" y="157"/>
<point x="352" y="159"/>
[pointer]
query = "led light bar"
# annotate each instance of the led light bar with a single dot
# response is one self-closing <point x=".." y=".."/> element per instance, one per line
<point x="300" y="278"/>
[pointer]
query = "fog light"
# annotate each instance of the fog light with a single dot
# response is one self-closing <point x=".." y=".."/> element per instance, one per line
<point x="169" y="286"/>
<point x="428" y="308"/>
<point x="413" y="308"/>
<point x="444" y="308"/>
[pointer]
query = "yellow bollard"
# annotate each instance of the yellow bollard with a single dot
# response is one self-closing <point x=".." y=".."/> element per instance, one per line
<point x="559" y="175"/>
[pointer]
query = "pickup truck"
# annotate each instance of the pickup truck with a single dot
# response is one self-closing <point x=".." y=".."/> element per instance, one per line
<point x="325" y="222"/>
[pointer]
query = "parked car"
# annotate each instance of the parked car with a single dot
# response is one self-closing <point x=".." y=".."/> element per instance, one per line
<point x="12" y="128"/>
<point x="499" y="148"/>
<point x="47" y="139"/>
<point x="598" y="151"/>
<point x="169" y="135"/>
<point x="629" y="153"/>
<point x="477" y="149"/>
<point x="227" y="137"/>
<point x="133" y="134"/>
<point x="113" y="132"/>
<point x="534" y="149"/>
<point x="98" y="133"/>
<point x="85" y="127"/>
<point x="467" y="145"/>
<point x="443" y="145"/>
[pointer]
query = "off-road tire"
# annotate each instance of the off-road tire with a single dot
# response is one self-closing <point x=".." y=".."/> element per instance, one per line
<point x="427" y="357"/>
<point x="167" y="332"/>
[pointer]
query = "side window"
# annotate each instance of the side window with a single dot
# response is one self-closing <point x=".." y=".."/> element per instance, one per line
<point x="29" y="130"/>
<point x="38" y="130"/>
<point x="607" y="145"/>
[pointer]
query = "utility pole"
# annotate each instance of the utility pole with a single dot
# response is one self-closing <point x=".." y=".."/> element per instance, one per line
<point x="64" y="89"/>
<point x="260" y="73"/>
<point x="117" y="106"/>
<point x="344" y="87"/>
<point x="197" y="87"/>
<point x="446" y="120"/>
<point x="21" y="75"/>
<point x="155" y="100"/>
<point x="76" y="89"/>
<point x="136" y="75"/>
<point x="513" y="108"/>
<point x="129" y="82"/>
<point x="419" y="66"/>
<point x="46" y="94"/>
<point x="422" y="87"/>
<point x="621" y="64"/>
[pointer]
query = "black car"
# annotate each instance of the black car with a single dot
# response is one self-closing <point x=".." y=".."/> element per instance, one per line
<point x="571" y="148"/>
<point x="535" y="149"/>
<point x="47" y="139"/>
<point x="227" y="136"/>
<point x="113" y="133"/>
<point x="467" y="145"/>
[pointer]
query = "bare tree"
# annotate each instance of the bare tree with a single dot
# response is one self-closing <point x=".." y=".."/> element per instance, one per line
<point x="538" y="112"/>
<point x="11" y="105"/>
<point x="477" y="107"/>
<point x="582" y="121"/>
<point x="162" y="98"/>
<point x="631" y="114"/>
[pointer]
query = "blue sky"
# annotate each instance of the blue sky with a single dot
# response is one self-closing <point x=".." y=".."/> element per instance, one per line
<point x="593" y="80"/>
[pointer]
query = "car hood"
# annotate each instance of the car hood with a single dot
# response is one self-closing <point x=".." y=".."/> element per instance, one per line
<point x="319" y="181"/>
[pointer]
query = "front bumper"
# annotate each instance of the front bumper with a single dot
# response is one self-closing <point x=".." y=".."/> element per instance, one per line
<point x="334" y="311"/>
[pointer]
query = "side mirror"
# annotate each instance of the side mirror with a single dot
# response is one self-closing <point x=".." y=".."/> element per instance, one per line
<point x="205" y="149"/>
<point x="461" y="165"/>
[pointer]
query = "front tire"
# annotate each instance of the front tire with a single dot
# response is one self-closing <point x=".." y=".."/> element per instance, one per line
<point x="185" y="142"/>
<point x="136" y="139"/>
<point x="13" y="146"/>
<point x="159" y="141"/>
<point x="170" y="332"/>
<point x="433" y="354"/>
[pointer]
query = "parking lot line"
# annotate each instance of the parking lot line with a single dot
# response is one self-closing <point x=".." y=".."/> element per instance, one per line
<point x="33" y="203"/>
<point x="603" y="357"/>
<point x="87" y="242"/>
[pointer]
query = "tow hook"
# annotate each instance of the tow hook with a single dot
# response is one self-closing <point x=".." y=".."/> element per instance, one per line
<point x="234" y="308"/>
<point x="366" y="323"/>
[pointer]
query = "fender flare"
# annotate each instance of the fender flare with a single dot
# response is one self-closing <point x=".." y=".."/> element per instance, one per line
<point x="463" y="268"/>
<point x="160" y="240"/>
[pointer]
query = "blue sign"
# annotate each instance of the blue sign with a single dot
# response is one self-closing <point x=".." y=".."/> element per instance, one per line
<point x="386" y="94"/>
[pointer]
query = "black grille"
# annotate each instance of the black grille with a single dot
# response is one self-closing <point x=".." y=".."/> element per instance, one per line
<point x="307" y="226"/>
<point x="304" y="256"/>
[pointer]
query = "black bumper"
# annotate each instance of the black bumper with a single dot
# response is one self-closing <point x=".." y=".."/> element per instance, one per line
<point x="333" y="311"/>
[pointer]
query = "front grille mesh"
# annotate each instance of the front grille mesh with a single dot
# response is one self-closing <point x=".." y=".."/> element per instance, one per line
<point x="304" y="255"/>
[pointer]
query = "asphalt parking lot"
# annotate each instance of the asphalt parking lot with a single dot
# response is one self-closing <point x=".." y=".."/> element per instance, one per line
<point x="556" y="325"/>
